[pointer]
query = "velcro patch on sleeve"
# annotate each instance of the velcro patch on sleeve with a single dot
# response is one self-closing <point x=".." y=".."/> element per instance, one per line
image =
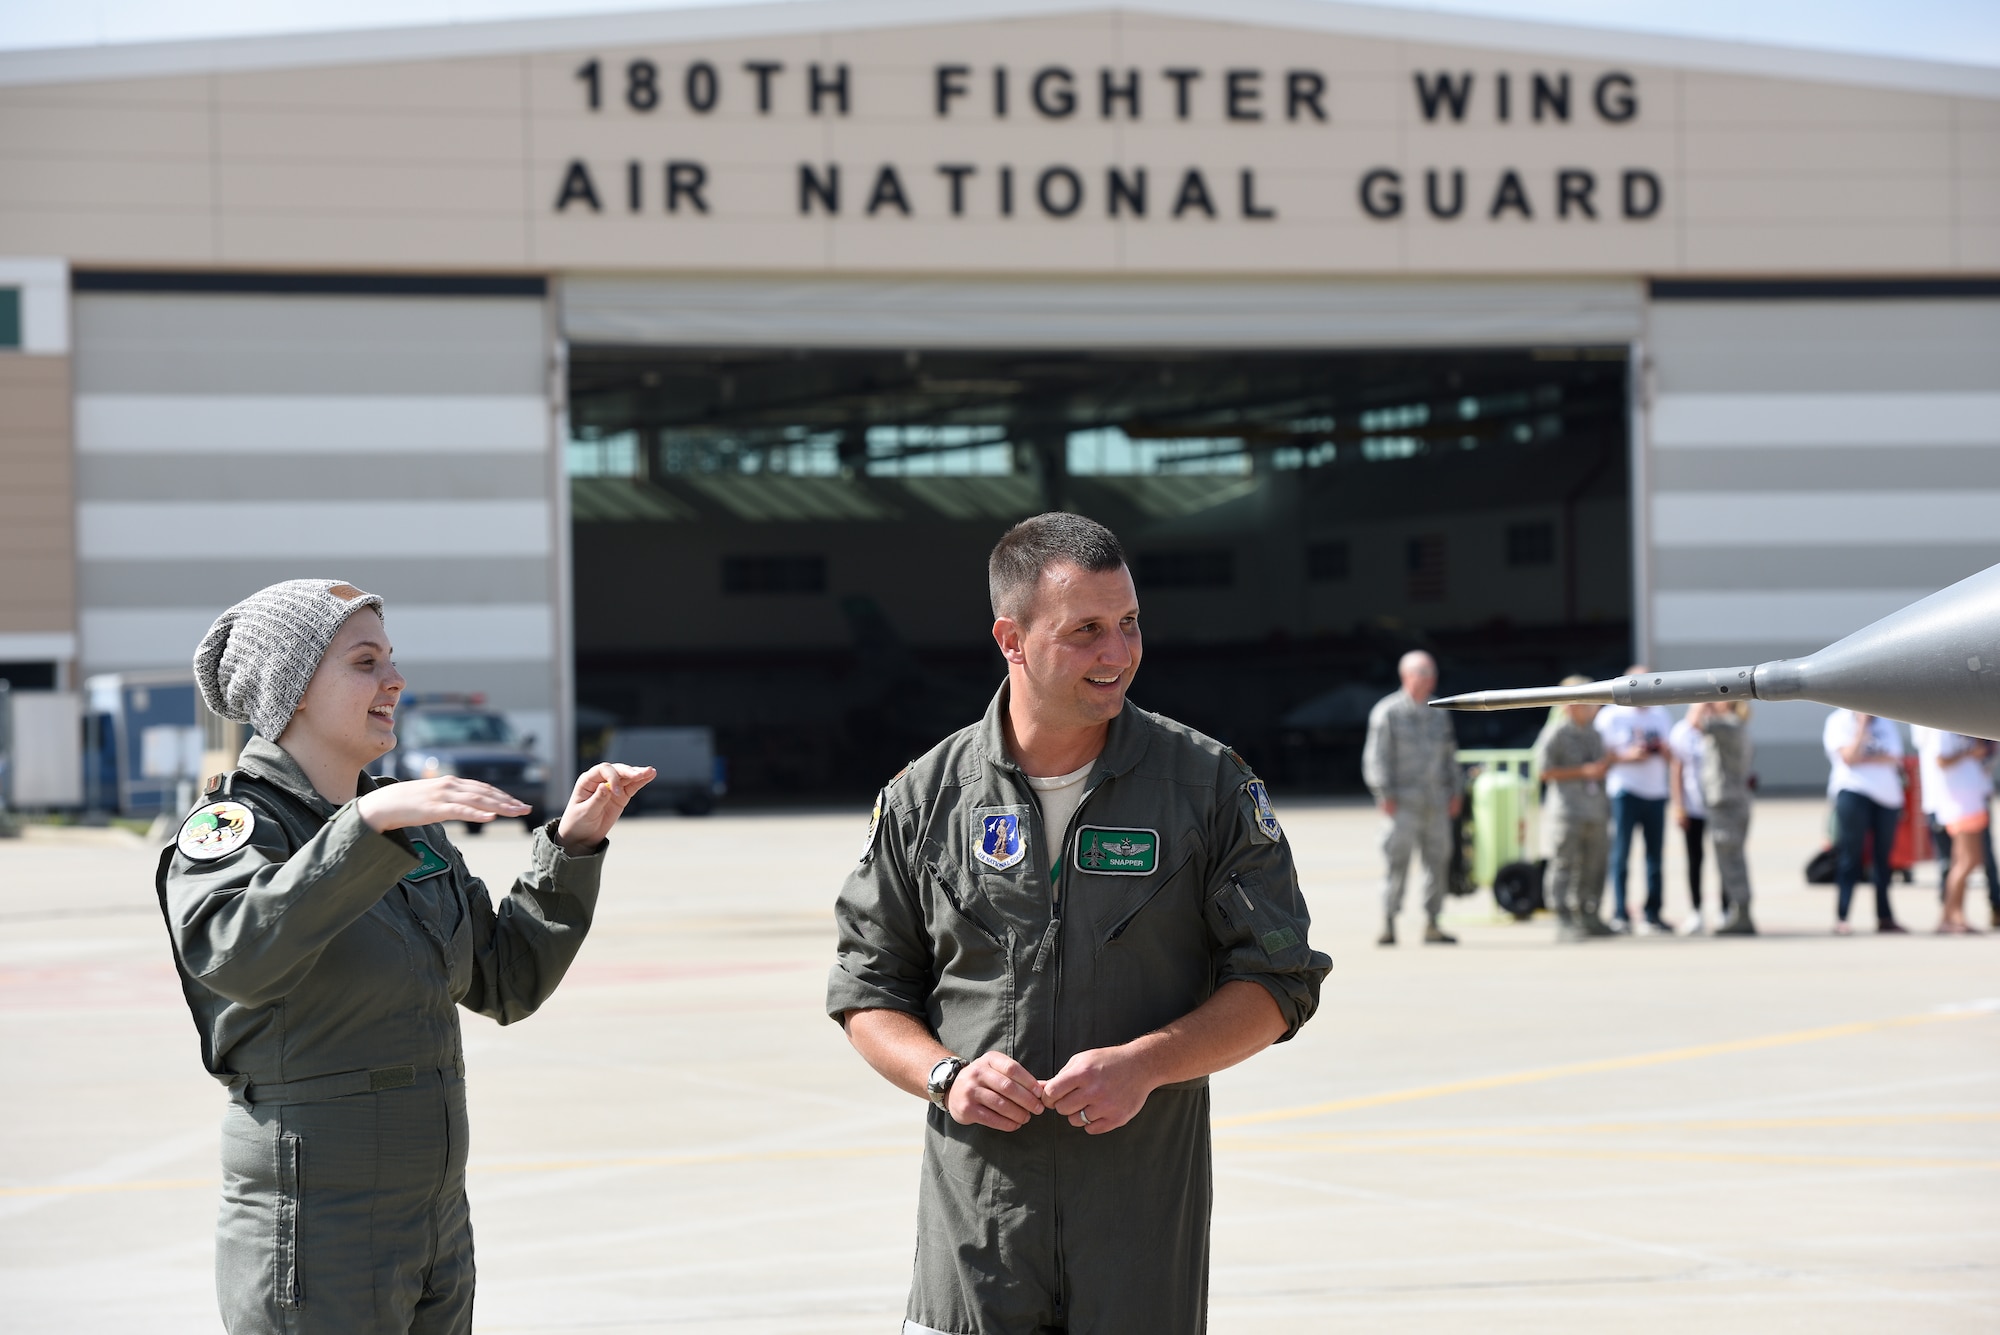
<point x="216" y="831"/>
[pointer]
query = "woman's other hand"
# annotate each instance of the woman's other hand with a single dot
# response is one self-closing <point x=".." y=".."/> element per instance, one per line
<point x="397" y="806"/>
<point x="599" y="799"/>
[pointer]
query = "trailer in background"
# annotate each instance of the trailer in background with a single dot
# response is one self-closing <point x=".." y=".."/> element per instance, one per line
<point x="691" y="776"/>
<point x="41" y="749"/>
<point x="143" y="742"/>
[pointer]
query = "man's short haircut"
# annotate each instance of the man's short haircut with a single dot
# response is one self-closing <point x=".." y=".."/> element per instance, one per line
<point x="1414" y="661"/>
<point x="1033" y="545"/>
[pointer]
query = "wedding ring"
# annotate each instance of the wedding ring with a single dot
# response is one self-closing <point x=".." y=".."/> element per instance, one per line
<point x="1084" y="1115"/>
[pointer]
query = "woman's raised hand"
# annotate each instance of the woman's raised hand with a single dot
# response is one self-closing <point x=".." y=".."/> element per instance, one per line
<point x="599" y="799"/>
<point x="397" y="806"/>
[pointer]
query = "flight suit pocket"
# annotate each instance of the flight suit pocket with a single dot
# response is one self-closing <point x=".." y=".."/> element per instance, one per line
<point x="287" y="1283"/>
<point x="1242" y="917"/>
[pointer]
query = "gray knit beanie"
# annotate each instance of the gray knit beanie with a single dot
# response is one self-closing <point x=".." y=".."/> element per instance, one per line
<point x="256" y="661"/>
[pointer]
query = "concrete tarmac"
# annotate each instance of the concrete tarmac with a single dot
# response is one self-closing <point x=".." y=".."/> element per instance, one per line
<point x="1796" y="1132"/>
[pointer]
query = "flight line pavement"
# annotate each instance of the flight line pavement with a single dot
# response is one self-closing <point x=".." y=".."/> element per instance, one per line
<point x="1791" y="1132"/>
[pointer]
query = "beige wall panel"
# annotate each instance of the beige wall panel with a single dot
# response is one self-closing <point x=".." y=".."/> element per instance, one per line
<point x="1155" y="42"/>
<point x="1722" y="101"/>
<point x="368" y="136"/>
<point x="1829" y="150"/>
<point x="1374" y="100"/>
<point x="1539" y="148"/>
<point x="1079" y="246"/>
<point x="377" y="188"/>
<point x="491" y="85"/>
<point x="97" y="236"/>
<point x="1327" y="198"/>
<point x="1271" y="248"/>
<point x="1976" y="148"/>
<point x="1829" y="247"/>
<point x="1979" y="199"/>
<point x="115" y="132"/>
<point x="37" y="504"/>
<point x="1576" y="247"/>
<point x="1168" y="144"/>
<point x="1979" y="247"/>
<point x="387" y="240"/>
<point x="1812" y="199"/>
<point x="50" y="182"/>
<point x="625" y="242"/>
<point x="188" y="90"/>
<point x="1024" y="45"/>
<point x="715" y="141"/>
<point x="927" y="142"/>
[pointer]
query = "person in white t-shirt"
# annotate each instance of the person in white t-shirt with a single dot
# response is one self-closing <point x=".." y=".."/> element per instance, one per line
<point x="1635" y="741"/>
<point x="1688" y="810"/>
<point x="1867" y="791"/>
<point x="1957" y="784"/>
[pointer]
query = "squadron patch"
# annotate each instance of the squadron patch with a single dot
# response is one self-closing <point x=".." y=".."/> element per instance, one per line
<point x="215" y="831"/>
<point x="433" y="864"/>
<point x="1117" y="852"/>
<point x="1267" y="819"/>
<point x="874" y="824"/>
<point x="998" y="837"/>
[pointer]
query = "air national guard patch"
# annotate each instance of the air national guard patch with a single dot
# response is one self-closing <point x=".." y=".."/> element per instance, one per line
<point x="998" y="839"/>
<point x="1267" y="819"/>
<point x="1117" y="852"/>
<point x="433" y="863"/>
<point x="216" y="831"/>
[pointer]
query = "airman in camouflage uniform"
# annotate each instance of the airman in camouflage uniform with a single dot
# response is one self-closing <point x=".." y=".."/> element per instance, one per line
<point x="1725" y="785"/>
<point x="1570" y="759"/>
<point x="1410" y="764"/>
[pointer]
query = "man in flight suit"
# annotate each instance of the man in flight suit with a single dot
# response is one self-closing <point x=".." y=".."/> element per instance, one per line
<point x="1410" y="764"/>
<point x="1065" y="917"/>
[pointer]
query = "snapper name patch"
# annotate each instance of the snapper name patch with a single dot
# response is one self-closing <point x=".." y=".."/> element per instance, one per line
<point x="1117" y="852"/>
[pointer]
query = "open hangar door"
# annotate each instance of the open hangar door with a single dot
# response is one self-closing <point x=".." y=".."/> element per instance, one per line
<point x="790" y="546"/>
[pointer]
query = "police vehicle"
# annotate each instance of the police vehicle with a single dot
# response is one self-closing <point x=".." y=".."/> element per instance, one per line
<point x="441" y="735"/>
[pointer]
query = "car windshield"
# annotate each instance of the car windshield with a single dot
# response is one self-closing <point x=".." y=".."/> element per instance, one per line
<point x="434" y="729"/>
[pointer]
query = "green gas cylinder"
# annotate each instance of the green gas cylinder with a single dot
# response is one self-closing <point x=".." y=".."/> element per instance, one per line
<point x="1499" y="814"/>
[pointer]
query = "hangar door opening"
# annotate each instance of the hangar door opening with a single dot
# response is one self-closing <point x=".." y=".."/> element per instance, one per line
<point x="789" y="546"/>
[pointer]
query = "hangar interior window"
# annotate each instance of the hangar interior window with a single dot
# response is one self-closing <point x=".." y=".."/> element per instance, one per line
<point x="774" y="574"/>
<point x="10" y="317"/>
<point x="1532" y="544"/>
<point x="1203" y="569"/>
<point x="1327" y="561"/>
<point x="789" y="545"/>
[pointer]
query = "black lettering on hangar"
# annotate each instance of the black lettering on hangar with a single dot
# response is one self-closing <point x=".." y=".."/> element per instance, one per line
<point x="1056" y="191"/>
<point x="1567" y="194"/>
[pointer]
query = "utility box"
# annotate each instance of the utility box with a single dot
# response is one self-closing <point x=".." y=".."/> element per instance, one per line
<point x="146" y="741"/>
<point x="690" y="775"/>
<point x="43" y="748"/>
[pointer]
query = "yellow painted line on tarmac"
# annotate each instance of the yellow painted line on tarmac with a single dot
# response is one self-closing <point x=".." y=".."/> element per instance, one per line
<point x="1830" y="1122"/>
<point x="94" y="1188"/>
<point x="1639" y="1061"/>
<point x="700" y="1160"/>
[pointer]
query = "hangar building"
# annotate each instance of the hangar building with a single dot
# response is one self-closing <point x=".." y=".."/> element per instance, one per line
<point x="681" y="367"/>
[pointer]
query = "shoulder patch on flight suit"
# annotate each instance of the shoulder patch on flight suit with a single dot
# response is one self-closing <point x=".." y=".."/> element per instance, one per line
<point x="1266" y="819"/>
<point x="1104" y="852"/>
<point x="434" y="863"/>
<point x="874" y="824"/>
<point x="216" y="831"/>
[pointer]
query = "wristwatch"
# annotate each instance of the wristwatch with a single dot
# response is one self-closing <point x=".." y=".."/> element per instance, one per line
<point x="939" y="1084"/>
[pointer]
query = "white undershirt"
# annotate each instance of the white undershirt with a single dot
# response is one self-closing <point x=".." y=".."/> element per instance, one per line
<point x="1060" y="797"/>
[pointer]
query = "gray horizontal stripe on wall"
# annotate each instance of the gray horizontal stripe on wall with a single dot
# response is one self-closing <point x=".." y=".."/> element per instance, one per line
<point x="1083" y="312"/>
<point x="325" y="477"/>
<point x="1843" y="468"/>
<point x="1745" y="654"/>
<point x="1824" y="346"/>
<point x="176" y="343"/>
<point x="515" y="685"/>
<point x="429" y="582"/>
<point x="1816" y="568"/>
<point x="1791" y="767"/>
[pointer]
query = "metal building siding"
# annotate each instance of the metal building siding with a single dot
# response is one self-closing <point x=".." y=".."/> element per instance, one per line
<point x="226" y="441"/>
<point x="1813" y="464"/>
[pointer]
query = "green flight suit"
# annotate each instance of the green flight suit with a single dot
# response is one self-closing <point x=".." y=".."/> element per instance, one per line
<point x="323" y="964"/>
<point x="1175" y="879"/>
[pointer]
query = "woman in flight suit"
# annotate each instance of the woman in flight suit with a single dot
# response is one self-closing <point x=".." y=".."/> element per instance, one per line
<point x="325" y="930"/>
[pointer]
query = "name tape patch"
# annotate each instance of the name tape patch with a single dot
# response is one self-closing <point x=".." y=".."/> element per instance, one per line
<point x="216" y="831"/>
<point x="433" y="863"/>
<point x="1105" y="852"/>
